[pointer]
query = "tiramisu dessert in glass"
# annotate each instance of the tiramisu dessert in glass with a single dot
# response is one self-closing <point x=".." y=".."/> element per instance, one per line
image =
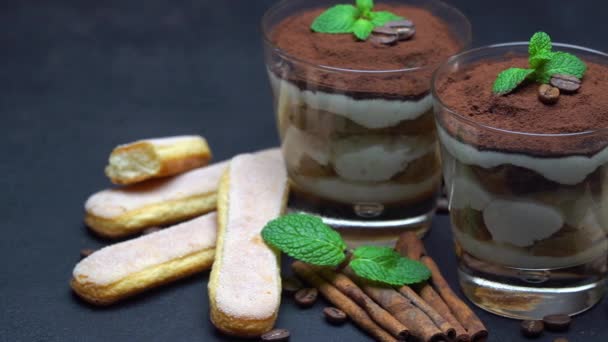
<point x="523" y="129"/>
<point x="351" y="86"/>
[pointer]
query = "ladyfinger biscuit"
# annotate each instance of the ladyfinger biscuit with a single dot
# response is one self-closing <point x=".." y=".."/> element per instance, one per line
<point x="127" y="268"/>
<point x="245" y="281"/>
<point x="128" y="210"/>
<point x="153" y="158"/>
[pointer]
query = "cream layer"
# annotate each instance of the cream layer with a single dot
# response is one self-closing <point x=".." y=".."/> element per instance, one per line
<point x="366" y="158"/>
<point x="370" y="113"/>
<point x="510" y="256"/>
<point x="567" y="170"/>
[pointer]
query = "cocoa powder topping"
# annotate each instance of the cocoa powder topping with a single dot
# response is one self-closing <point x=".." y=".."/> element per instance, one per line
<point x="431" y="44"/>
<point x="469" y="93"/>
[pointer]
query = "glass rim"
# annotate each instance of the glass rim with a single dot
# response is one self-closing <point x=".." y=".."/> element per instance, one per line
<point x="466" y="119"/>
<point x="277" y="6"/>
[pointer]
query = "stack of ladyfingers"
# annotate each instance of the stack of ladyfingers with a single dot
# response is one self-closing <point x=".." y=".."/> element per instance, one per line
<point x="166" y="181"/>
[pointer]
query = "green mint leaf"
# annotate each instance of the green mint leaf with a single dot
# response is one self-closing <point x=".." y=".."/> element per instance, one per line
<point x="363" y="28"/>
<point x="539" y="43"/>
<point x="382" y="17"/>
<point x="365" y="5"/>
<point x="306" y="238"/>
<point x="384" y="265"/>
<point x="509" y="79"/>
<point x="337" y="19"/>
<point x="561" y="63"/>
<point x="537" y="61"/>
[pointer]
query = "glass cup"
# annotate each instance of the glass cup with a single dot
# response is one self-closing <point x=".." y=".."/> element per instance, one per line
<point x="530" y="232"/>
<point x="366" y="164"/>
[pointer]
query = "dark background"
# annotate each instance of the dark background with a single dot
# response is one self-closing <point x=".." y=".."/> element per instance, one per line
<point x="79" y="77"/>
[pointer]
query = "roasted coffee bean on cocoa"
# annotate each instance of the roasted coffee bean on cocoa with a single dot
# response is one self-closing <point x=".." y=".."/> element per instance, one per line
<point x="400" y="23"/>
<point x="306" y="297"/>
<point x="405" y="33"/>
<point x="384" y="39"/>
<point x="531" y="328"/>
<point x="150" y="230"/>
<point x="385" y="30"/>
<point x="557" y="322"/>
<point x="276" y="335"/>
<point x="291" y="285"/>
<point x="565" y="83"/>
<point x="334" y="315"/>
<point x="85" y="252"/>
<point x="548" y="94"/>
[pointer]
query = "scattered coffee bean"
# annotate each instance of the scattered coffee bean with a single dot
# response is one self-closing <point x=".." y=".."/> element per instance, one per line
<point x="548" y="94"/>
<point x="532" y="328"/>
<point x="306" y="297"/>
<point x="334" y="315"/>
<point x="442" y="205"/>
<point x="561" y="339"/>
<point x="565" y="83"/>
<point x="85" y="252"/>
<point x="557" y="322"/>
<point x="276" y="335"/>
<point x="291" y="285"/>
<point x="150" y="230"/>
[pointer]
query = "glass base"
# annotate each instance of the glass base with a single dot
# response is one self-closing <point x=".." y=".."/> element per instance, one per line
<point x="367" y="223"/>
<point x="532" y="294"/>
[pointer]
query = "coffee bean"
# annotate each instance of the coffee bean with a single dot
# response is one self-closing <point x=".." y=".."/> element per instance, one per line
<point x="561" y="339"/>
<point x="557" y="322"/>
<point x="150" y="230"/>
<point x="291" y="285"/>
<point x="400" y="23"/>
<point x="389" y="31"/>
<point x="334" y="315"/>
<point x="405" y="33"/>
<point x="306" y="297"/>
<point x="276" y="335"/>
<point x="85" y="252"/>
<point x="383" y="39"/>
<point x="442" y="205"/>
<point x="532" y="328"/>
<point x="565" y="83"/>
<point x="548" y="94"/>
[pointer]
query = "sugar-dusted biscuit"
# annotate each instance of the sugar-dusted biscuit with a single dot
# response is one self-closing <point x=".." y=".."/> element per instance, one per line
<point x="245" y="281"/>
<point x="159" y="157"/>
<point x="127" y="268"/>
<point x="157" y="202"/>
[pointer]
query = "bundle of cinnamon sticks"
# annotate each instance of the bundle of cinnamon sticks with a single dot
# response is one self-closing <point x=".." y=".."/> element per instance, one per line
<point x="429" y="311"/>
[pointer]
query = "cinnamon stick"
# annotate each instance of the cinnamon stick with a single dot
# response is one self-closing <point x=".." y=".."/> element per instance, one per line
<point x="375" y="311"/>
<point x="434" y="300"/>
<point x="461" y="310"/>
<point x="409" y="245"/>
<point x="439" y="320"/>
<point x="420" y="325"/>
<point x="332" y="294"/>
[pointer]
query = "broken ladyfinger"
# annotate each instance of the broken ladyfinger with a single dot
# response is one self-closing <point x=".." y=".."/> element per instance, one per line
<point x="154" y="158"/>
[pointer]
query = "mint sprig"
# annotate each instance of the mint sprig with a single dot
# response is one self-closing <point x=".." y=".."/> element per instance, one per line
<point x="307" y="238"/>
<point x="543" y="62"/>
<point x="385" y="265"/>
<point x="359" y="20"/>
